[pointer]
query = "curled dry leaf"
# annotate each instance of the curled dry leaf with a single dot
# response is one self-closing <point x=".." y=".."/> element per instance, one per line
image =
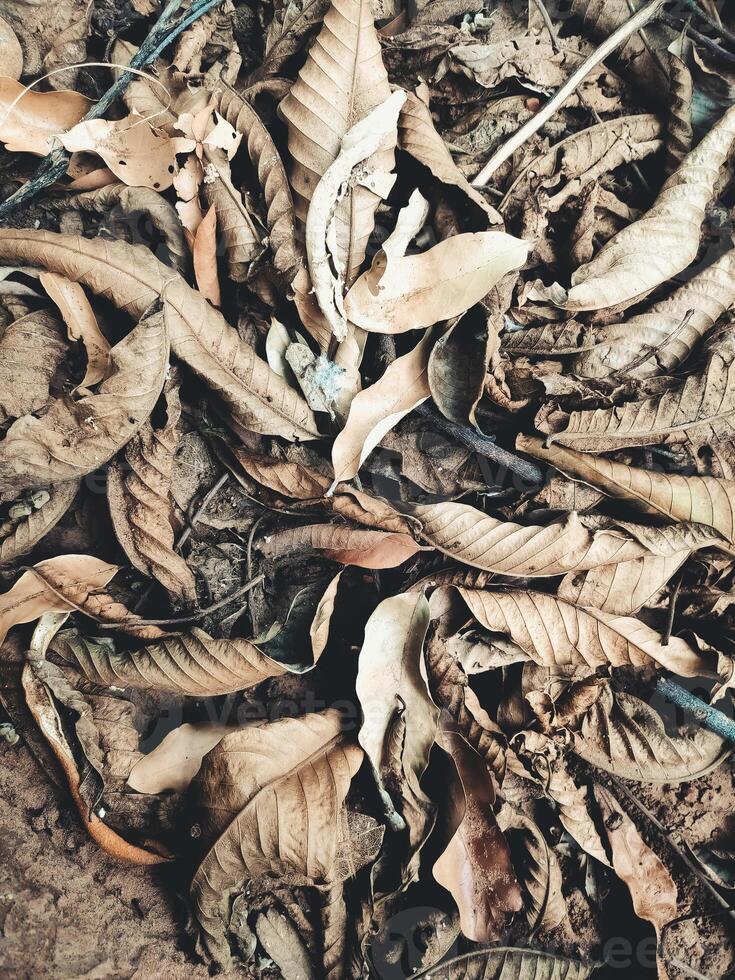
<point x="31" y="597"/>
<point x="554" y="632"/>
<point x="138" y="493"/>
<point x="406" y="292"/>
<point x="458" y="365"/>
<point x="75" y="437"/>
<point x="476" y="865"/>
<point x="347" y="545"/>
<point x="200" y="336"/>
<point x="319" y="629"/>
<point x="138" y="154"/>
<point x="625" y="736"/>
<point x="37" y="119"/>
<point x="699" y="499"/>
<point x="288" y="780"/>
<point x="18" y="537"/>
<point x="194" y="664"/>
<point x="391" y="679"/>
<point x="665" y="240"/>
<point x="176" y="760"/>
<point x="650" y="885"/>
<point x="377" y="409"/>
<point x="342" y="81"/>
<point x="81" y="324"/>
<point x="680" y="133"/>
<point x="241" y="238"/>
<point x="204" y="252"/>
<point x="541" y="874"/>
<point x="31" y="350"/>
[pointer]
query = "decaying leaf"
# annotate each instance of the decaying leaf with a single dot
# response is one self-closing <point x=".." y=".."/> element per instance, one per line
<point x="499" y="962"/>
<point x="541" y="876"/>
<point x="18" y="536"/>
<point x="348" y="545"/>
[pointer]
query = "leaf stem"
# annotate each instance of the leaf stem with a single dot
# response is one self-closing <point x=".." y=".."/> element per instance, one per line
<point x="506" y="151"/>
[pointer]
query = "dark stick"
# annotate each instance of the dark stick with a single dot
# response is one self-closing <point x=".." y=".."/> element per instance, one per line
<point x="702" y="39"/>
<point x="723" y="31"/>
<point x="53" y="166"/>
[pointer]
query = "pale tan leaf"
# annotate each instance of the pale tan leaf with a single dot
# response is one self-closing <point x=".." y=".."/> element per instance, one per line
<point x="81" y="324"/>
<point x="76" y="436"/>
<point x="37" y="118"/>
<point x="176" y="760"/>
<point x="475" y="866"/>
<point x="665" y="240"/>
<point x="319" y="629"/>
<point x="625" y="736"/>
<point x="347" y="545"/>
<point x="280" y="215"/>
<point x="377" y="409"/>
<point x="493" y="545"/>
<point x="285" y="784"/>
<point x="17" y="537"/>
<point x="420" y="290"/>
<point x="699" y="499"/>
<point x="200" y="336"/>
<point x="699" y="412"/>
<point x="31" y="349"/>
<point x="138" y="494"/>
<point x="138" y="154"/>
<point x="651" y="887"/>
<point x="417" y="135"/>
<point x="12" y="52"/>
<point x="204" y="252"/>
<point x="342" y="81"/>
<point x="391" y="678"/>
<point x="194" y="664"/>
<point x="554" y="632"/>
<point x="31" y="596"/>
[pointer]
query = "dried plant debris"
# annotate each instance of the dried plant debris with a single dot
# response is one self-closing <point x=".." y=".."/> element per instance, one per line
<point x="357" y="491"/>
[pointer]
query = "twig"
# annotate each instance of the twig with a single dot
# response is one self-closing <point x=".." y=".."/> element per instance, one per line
<point x="704" y="713"/>
<point x="54" y="165"/>
<point x="706" y="42"/>
<point x="206" y="500"/>
<point x="533" y="125"/>
<point x="200" y="614"/>
<point x="541" y="7"/>
<point x="668" y="835"/>
<point x="720" y="28"/>
<point x="484" y="445"/>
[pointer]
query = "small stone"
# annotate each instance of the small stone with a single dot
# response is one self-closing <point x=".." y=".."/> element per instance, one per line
<point x="18" y="511"/>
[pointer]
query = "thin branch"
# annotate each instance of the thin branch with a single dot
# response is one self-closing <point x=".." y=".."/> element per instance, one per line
<point x="702" y="15"/>
<point x="666" y="635"/>
<point x="54" y="166"/>
<point x="704" y="713"/>
<point x="702" y="39"/>
<point x="506" y="151"/>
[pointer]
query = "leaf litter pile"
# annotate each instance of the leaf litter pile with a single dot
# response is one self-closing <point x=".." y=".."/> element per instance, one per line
<point x="367" y="469"/>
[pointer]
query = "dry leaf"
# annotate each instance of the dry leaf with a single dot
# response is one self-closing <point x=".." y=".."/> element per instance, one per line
<point x="406" y="292"/>
<point x="391" y="679"/>
<point x="288" y="780"/>
<point x="342" y="81"/>
<point x="458" y="365"/>
<point x="554" y="632"/>
<point x="521" y="963"/>
<point x="475" y="866"/>
<point x="81" y="324"/>
<point x="347" y="545"/>
<point x="18" y="537"/>
<point x="31" y="596"/>
<point x="31" y="350"/>
<point x="138" y="154"/>
<point x="37" y="119"/>
<point x="680" y="134"/>
<point x="199" y="335"/>
<point x="75" y="437"/>
<point x="205" y="258"/>
<point x="541" y="875"/>
<point x="240" y="236"/>
<point x="12" y="53"/>
<point x="319" y="629"/>
<point x="177" y="759"/>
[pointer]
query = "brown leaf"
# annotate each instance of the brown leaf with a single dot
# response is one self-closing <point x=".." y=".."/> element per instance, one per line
<point x="177" y="759"/>
<point x="458" y="365"/>
<point x="342" y="81"/>
<point x="347" y="545"/>
<point x="17" y="537"/>
<point x="240" y="236"/>
<point x="680" y="134"/>
<point x="285" y="783"/>
<point x="200" y="336"/>
<point x="204" y="252"/>
<point x="281" y="476"/>
<point x="699" y="499"/>
<point x="12" y="51"/>
<point x="76" y="436"/>
<point x="37" y="118"/>
<point x="81" y="324"/>
<point x="319" y="629"/>
<point x="407" y="292"/>
<point x="138" y="494"/>
<point x="475" y="866"/>
<point x="540" y="875"/>
<point x="650" y="885"/>
<point x="552" y="631"/>
<point x="31" y="349"/>
<point x="527" y="964"/>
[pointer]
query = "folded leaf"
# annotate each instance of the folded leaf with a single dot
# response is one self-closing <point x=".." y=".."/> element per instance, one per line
<point x="81" y="324"/>
<point x="204" y="253"/>
<point x="541" y="877"/>
<point x="405" y="293"/>
<point x="176" y="760"/>
<point x="553" y="632"/>
<point x="286" y="784"/>
<point x="200" y="336"/>
<point x="342" y="81"/>
<point x="699" y="499"/>
<point x="76" y="436"/>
